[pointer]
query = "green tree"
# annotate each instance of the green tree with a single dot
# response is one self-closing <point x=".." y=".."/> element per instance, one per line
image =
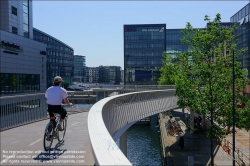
<point x="167" y="71"/>
<point x="205" y="83"/>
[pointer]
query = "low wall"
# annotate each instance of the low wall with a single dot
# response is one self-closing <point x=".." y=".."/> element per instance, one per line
<point x="167" y="159"/>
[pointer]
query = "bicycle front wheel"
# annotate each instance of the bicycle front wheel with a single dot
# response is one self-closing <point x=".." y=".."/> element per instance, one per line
<point x="61" y="134"/>
<point x="48" y="137"/>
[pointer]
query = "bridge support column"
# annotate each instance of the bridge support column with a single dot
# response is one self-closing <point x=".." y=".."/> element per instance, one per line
<point x="97" y="97"/>
<point x="123" y="143"/>
<point x="153" y="121"/>
<point x="191" y="121"/>
<point x="100" y="95"/>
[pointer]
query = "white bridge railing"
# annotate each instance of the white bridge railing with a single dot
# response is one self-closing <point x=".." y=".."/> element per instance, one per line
<point x="109" y="118"/>
<point x="22" y="109"/>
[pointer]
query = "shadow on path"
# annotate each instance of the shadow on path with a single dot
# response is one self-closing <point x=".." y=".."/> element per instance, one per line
<point x="196" y="146"/>
<point x="51" y="154"/>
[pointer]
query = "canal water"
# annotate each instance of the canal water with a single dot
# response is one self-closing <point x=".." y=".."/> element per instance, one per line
<point x="143" y="146"/>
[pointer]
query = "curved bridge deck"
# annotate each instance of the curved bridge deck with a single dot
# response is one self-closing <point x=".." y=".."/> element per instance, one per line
<point x="27" y="142"/>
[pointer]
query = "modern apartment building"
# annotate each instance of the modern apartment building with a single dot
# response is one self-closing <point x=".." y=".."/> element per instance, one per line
<point x="79" y="68"/>
<point x="110" y="75"/>
<point x="103" y="74"/>
<point x="144" y="45"/>
<point x="91" y="75"/>
<point x="60" y="58"/>
<point x="22" y="59"/>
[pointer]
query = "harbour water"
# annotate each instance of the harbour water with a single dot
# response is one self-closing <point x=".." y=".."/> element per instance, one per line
<point x="143" y="146"/>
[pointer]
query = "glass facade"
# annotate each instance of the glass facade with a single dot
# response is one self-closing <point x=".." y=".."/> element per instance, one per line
<point x="143" y="48"/>
<point x="242" y="34"/>
<point x="244" y="13"/>
<point x="26" y="18"/>
<point x="174" y="44"/>
<point x="19" y="83"/>
<point x="60" y="58"/>
<point x="79" y="68"/>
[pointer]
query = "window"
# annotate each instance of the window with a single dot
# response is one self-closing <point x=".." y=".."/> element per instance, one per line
<point x="247" y="9"/>
<point x="25" y="30"/>
<point x="243" y="12"/>
<point x="14" y="30"/>
<point x="18" y="83"/>
<point x="14" y="10"/>
<point x="26" y="18"/>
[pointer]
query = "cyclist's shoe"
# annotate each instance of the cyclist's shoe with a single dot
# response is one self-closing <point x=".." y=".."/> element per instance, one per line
<point x="49" y="137"/>
<point x="59" y="127"/>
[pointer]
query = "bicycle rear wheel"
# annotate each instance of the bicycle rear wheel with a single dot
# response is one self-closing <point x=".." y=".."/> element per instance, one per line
<point x="61" y="134"/>
<point x="48" y="137"/>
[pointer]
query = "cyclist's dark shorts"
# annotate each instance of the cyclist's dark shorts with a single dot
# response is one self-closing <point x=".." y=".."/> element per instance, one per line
<point x="56" y="109"/>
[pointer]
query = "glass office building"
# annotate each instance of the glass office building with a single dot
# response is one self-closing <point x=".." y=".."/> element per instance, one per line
<point x="60" y="58"/>
<point x="144" y="45"/>
<point x="242" y="33"/>
<point x="79" y="68"/>
<point x="173" y="42"/>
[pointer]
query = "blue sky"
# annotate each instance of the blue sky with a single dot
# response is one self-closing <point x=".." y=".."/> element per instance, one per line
<point x="95" y="28"/>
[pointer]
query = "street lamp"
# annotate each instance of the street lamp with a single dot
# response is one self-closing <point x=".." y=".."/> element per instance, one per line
<point x="233" y="113"/>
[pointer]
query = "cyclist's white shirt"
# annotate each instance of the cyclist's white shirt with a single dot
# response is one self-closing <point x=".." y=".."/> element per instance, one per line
<point x="55" y="95"/>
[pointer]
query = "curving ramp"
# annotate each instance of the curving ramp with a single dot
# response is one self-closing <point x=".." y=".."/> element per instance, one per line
<point x="109" y="118"/>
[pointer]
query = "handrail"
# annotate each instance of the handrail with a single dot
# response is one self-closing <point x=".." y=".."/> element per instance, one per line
<point x="22" y="109"/>
<point x="15" y="95"/>
<point x="239" y="155"/>
<point x="111" y="116"/>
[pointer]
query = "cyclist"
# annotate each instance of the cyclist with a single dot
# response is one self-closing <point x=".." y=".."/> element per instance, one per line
<point x="55" y="94"/>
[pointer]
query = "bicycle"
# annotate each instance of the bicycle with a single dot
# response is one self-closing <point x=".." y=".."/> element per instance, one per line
<point x="51" y="132"/>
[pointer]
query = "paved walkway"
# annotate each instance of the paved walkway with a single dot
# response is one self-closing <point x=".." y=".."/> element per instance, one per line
<point x="198" y="146"/>
<point x="24" y="145"/>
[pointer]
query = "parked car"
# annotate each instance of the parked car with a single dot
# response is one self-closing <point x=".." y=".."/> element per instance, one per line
<point x="74" y="88"/>
<point x="70" y="89"/>
<point x="79" y="89"/>
<point x="84" y="87"/>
